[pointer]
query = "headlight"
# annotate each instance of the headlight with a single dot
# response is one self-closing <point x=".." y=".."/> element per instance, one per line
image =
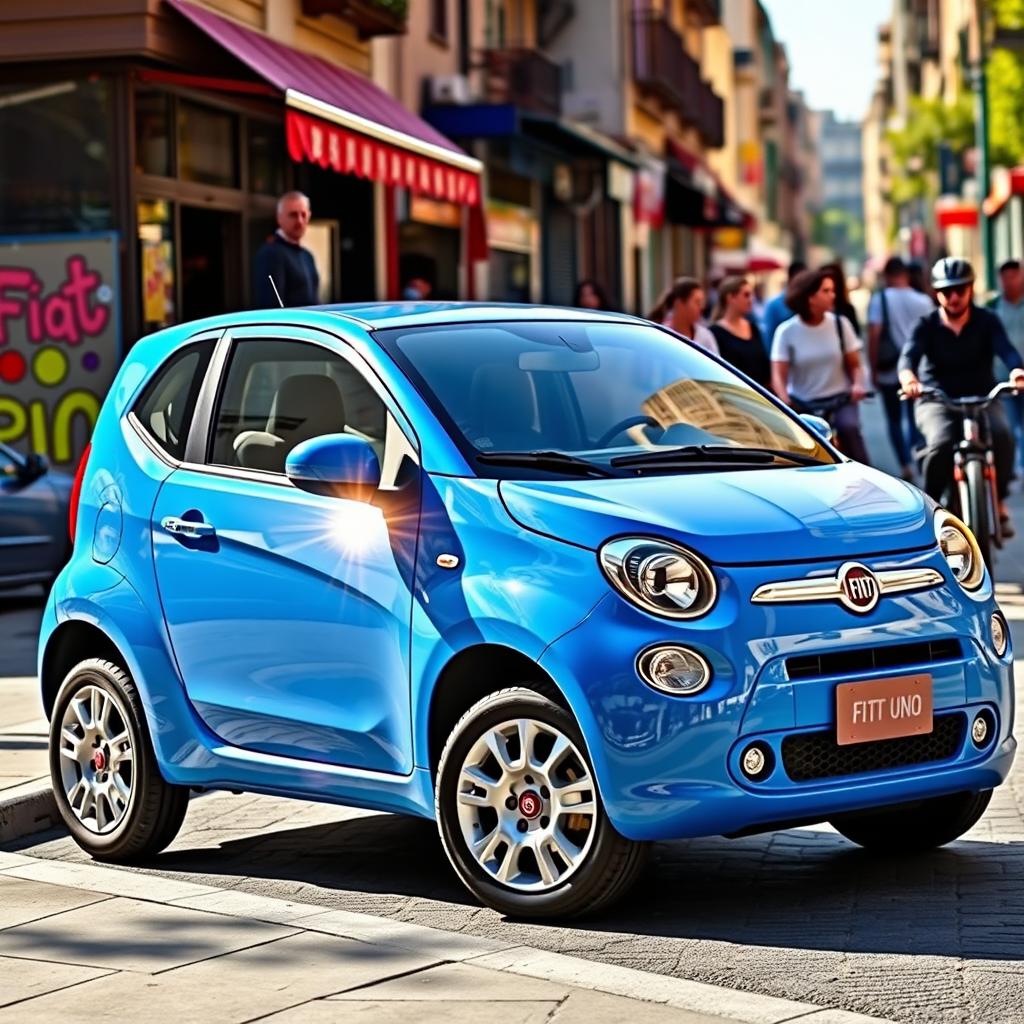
<point x="960" y="549"/>
<point x="660" y="577"/>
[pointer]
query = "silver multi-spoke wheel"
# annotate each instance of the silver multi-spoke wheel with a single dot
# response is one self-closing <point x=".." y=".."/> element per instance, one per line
<point x="97" y="762"/>
<point x="527" y="805"/>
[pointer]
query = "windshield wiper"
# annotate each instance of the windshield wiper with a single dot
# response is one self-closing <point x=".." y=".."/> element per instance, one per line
<point x="561" y="462"/>
<point x="695" y="454"/>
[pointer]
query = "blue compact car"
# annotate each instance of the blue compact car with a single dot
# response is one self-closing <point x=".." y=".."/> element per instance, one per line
<point x="558" y="579"/>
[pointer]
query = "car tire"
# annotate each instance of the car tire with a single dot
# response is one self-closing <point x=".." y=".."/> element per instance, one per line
<point x="567" y="862"/>
<point x="119" y="808"/>
<point x="913" y="828"/>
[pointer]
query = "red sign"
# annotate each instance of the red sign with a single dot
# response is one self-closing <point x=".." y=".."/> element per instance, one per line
<point x="328" y="145"/>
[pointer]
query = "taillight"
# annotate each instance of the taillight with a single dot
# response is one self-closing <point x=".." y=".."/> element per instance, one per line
<point x="76" y="492"/>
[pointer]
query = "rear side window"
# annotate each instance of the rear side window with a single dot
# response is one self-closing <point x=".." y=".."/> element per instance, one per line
<point x="166" y="406"/>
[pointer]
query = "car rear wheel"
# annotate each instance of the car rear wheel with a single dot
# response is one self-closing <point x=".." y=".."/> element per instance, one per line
<point x="912" y="828"/>
<point x="520" y="815"/>
<point x="108" y="785"/>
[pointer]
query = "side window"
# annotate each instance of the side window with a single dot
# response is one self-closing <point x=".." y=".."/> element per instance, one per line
<point x="280" y="393"/>
<point x="166" y="405"/>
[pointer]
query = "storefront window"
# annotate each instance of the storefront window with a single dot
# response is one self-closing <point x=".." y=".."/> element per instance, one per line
<point x="207" y="145"/>
<point x="153" y="132"/>
<point x="55" y="173"/>
<point x="266" y="158"/>
<point x="157" y="261"/>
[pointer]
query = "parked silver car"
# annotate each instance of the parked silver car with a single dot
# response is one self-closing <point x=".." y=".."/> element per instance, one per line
<point x="34" y="501"/>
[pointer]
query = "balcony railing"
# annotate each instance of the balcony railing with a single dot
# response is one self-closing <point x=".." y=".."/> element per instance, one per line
<point x="662" y="66"/>
<point x="523" y="77"/>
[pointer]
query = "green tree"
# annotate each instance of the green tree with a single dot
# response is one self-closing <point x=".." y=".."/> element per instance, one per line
<point x="1006" y="86"/>
<point x="915" y="148"/>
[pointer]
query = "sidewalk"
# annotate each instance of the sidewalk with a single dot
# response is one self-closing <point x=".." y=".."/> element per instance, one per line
<point x="26" y="804"/>
<point x="75" y="938"/>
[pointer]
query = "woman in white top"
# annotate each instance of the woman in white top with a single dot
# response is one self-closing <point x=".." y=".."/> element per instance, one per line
<point x="681" y="308"/>
<point x="816" y="364"/>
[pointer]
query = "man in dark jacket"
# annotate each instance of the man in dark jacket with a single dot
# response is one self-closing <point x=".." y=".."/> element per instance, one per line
<point x="953" y="350"/>
<point x="283" y="258"/>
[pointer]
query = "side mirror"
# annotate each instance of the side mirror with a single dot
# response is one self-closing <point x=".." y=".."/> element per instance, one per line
<point x="818" y="425"/>
<point x="36" y="466"/>
<point x="337" y="465"/>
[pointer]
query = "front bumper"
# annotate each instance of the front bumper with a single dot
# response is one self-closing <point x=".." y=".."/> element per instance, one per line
<point x="669" y="767"/>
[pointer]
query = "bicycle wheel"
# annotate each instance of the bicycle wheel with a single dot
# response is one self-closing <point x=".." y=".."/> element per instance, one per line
<point x="978" y="493"/>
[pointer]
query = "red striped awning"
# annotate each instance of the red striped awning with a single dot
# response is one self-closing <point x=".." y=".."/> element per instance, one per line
<point x="316" y="141"/>
<point x="341" y="120"/>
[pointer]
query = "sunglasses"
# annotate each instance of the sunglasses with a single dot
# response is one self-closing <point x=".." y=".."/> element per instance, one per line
<point x="957" y="289"/>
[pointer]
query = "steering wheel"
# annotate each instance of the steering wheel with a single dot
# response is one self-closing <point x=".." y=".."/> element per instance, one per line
<point x="625" y="424"/>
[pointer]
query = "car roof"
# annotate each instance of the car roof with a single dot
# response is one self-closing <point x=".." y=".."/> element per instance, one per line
<point x="373" y="315"/>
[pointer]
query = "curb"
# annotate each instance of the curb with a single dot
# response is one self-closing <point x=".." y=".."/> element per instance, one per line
<point x="27" y="809"/>
<point x="446" y="947"/>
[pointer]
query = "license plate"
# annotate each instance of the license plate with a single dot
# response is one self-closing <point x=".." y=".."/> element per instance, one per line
<point x="883" y="709"/>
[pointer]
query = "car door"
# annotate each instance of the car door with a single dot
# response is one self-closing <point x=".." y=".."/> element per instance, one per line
<point x="290" y="612"/>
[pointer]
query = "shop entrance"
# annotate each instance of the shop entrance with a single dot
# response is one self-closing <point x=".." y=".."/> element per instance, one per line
<point x="211" y="280"/>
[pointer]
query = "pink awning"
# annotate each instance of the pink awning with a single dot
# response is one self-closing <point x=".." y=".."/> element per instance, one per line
<point x="362" y="109"/>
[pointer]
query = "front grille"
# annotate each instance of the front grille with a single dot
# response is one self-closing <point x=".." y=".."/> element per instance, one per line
<point x="866" y="659"/>
<point x="816" y="755"/>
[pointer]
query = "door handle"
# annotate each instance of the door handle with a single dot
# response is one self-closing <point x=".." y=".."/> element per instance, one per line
<point x="187" y="528"/>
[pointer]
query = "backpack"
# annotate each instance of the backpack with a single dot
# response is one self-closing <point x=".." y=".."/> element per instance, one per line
<point x="888" y="351"/>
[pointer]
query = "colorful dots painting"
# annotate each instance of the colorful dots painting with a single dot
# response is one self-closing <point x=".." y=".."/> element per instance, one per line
<point x="59" y="343"/>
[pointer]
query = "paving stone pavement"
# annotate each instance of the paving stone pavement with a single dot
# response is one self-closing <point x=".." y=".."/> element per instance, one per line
<point x="798" y="914"/>
<point x="71" y="954"/>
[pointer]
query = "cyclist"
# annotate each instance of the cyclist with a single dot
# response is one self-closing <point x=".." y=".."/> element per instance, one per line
<point x="952" y="350"/>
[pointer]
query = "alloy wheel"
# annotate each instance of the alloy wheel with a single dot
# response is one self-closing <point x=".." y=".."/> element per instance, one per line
<point x="97" y="763"/>
<point x="527" y="805"/>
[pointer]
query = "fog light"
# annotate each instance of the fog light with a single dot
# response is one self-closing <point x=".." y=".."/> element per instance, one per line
<point x="756" y="761"/>
<point x="1000" y="635"/>
<point x="677" y="671"/>
<point x="982" y="728"/>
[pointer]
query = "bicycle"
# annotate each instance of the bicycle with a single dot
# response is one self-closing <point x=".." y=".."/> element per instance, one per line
<point x="974" y="468"/>
<point x="828" y="409"/>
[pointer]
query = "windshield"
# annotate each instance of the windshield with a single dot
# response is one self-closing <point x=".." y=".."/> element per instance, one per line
<point x="597" y="391"/>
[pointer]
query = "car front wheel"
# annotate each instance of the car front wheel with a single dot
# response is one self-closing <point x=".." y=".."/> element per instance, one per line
<point x="912" y="828"/>
<point x="105" y="777"/>
<point x="520" y="815"/>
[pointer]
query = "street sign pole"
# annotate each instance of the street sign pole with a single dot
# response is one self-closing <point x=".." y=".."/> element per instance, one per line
<point x="980" y="82"/>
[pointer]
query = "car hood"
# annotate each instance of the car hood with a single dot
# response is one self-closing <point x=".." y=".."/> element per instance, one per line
<point x="774" y="515"/>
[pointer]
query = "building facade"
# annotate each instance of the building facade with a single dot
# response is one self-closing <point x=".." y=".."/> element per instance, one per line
<point x="145" y="144"/>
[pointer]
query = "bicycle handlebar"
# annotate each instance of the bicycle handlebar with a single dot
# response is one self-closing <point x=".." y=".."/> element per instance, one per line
<point x="959" y="403"/>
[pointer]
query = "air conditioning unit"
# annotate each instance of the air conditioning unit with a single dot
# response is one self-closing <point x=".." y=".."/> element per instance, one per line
<point x="448" y="89"/>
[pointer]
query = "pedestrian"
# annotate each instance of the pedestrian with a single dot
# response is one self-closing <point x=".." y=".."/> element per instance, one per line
<point x="893" y="313"/>
<point x="682" y="308"/>
<point x="739" y="339"/>
<point x="953" y="349"/>
<point x="417" y="289"/>
<point x="1009" y="307"/>
<point x="844" y="307"/>
<point x="777" y="311"/>
<point x="816" y="364"/>
<point x="283" y="259"/>
<point x="590" y="294"/>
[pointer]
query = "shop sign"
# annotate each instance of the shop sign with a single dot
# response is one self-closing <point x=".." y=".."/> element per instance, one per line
<point x="730" y="239"/>
<point x="313" y="141"/>
<point x="649" y="193"/>
<point x="435" y="213"/>
<point x="509" y="225"/>
<point x="620" y="182"/>
<point x="59" y="340"/>
<point x="751" y="163"/>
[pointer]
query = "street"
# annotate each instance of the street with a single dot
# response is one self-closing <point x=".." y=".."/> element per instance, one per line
<point x="800" y="914"/>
